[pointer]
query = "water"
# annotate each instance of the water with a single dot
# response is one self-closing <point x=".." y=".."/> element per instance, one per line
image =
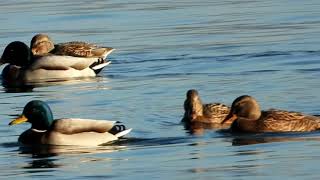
<point x="268" y="49"/>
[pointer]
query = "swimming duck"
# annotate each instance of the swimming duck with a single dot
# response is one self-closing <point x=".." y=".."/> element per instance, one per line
<point x="82" y="132"/>
<point x="41" y="44"/>
<point x="246" y="116"/>
<point x="24" y="68"/>
<point x="196" y="111"/>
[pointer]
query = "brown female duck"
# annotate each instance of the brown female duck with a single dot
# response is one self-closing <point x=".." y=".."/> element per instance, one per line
<point x="246" y="116"/>
<point x="42" y="44"/>
<point x="196" y="111"/>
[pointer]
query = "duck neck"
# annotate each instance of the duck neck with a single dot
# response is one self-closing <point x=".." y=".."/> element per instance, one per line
<point x="245" y="125"/>
<point x="196" y="107"/>
<point x="193" y="109"/>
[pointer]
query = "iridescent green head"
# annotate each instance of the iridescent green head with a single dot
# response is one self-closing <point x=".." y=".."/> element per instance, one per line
<point x="16" y="53"/>
<point x="36" y="112"/>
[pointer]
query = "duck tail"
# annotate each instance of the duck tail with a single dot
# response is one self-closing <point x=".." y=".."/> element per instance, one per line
<point x="119" y="130"/>
<point x="99" y="65"/>
<point x="123" y="133"/>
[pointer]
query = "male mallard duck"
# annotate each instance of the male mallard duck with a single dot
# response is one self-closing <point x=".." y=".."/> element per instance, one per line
<point x="23" y="67"/>
<point x="246" y="116"/>
<point x="195" y="111"/>
<point x="42" y="44"/>
<point x="83" y="132"/>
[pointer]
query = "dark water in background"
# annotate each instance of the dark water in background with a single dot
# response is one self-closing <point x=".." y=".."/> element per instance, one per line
<point x="268" y="49"/>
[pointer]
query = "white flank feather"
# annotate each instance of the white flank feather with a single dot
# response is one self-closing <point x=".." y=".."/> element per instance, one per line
<point x="100" y="66"/>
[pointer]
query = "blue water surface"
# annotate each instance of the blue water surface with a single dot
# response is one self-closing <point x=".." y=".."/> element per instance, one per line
<point x="267" y="49"/>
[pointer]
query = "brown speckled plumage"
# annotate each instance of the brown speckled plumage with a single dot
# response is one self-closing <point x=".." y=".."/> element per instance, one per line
<point x="247" y="117"/>
<point x="80" y="49"/>
<point x="278" y="120"/>
<point x="41" y="44"/>
<point x="196" y="111"/>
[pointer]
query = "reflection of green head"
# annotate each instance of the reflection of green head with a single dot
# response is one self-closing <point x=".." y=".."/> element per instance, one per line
<point x="16" y="53"/>
<point x="37" y="113"/>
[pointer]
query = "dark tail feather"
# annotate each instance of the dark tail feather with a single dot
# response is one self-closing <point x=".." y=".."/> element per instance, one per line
<point x="117" y="128"/>
<point x="99" y="65"/>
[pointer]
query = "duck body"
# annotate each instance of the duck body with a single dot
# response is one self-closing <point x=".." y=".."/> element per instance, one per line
<point x="196" y="111"/>
<point x="278" y="121"/>
<point x="76" y="136"/>
<point x="246" y="116"/>
<point x="71" y="131"/>
<point x="48" y="68"/>
<point x="61" y="67"/>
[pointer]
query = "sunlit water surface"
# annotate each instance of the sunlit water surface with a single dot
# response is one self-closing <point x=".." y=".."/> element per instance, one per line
<point x="268" y="49"/>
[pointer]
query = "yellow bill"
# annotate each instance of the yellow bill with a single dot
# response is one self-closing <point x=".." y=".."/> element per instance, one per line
<point x="19" y="120"/>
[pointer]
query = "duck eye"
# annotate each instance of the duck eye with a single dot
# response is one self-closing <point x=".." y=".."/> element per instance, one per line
<point x="34" y="111"/>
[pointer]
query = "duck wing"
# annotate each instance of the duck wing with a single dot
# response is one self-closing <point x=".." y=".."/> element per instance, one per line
<point x="278" y="120"/>
<point x="81" y="49"/>
<point x="216" y="111"/>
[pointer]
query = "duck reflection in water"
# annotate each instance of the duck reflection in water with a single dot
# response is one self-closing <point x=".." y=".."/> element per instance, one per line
<point x="251" y="139"/>
<point x="43" y="151"/>
<point x="13" y="87"/>
<point x="46" y="157"/>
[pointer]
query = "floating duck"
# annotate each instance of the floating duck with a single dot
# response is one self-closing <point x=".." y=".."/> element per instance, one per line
<point x="246" y="116"/>
<point x="41" y="44"/>
<point x="70" y="60"/>
<point x="196" y="111"/>
<point x="81" y="132"/>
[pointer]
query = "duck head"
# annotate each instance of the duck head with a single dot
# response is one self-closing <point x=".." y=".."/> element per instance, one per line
<point x="36" y="112"/>
<point x="244" y="107"/>
<point x="41" y="44"/>
<point x="16" y="53"/>
<point x="193" y="105"/>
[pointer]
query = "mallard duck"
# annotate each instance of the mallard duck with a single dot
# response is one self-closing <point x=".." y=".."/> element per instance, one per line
<point x="41" y="44"/>
<point x="196" y="111"/>
<point x="24" y="68"/>
<point x="83" y="132"/>
<point x="246" y="116"/>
